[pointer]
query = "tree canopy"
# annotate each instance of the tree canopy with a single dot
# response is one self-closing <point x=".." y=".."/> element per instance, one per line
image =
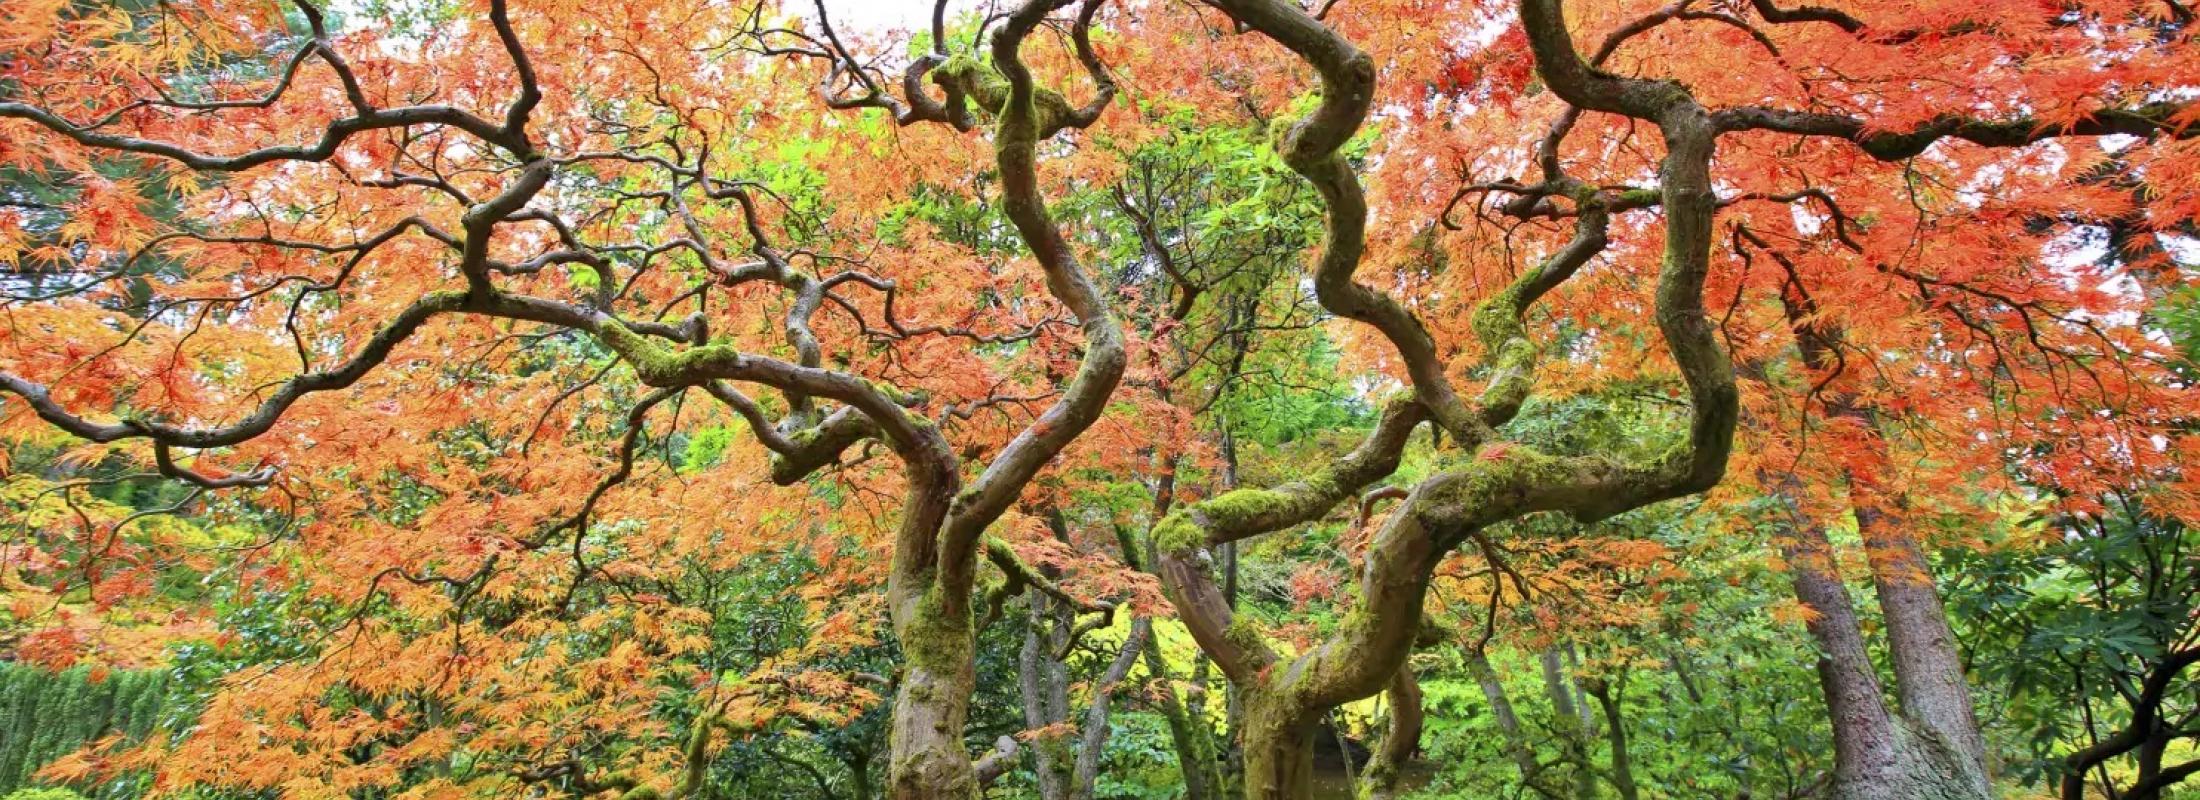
<point x="1098" y="398"/>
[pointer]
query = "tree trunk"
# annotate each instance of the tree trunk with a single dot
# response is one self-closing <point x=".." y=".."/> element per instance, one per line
<point x="1589" y="719"/>
<point x="1928" y="668"/>
<point x="925" y="742"/>
<point x="1508" y="722"/>
<point x="1877" y="753"/>
<point x="1043" y="683"/>
<point x="1400" y="741"/>
<point x="1198" y="759"/>
<point x="859" y="775"/>
<point x="932" y="622"/>
<point x="1568" y="718"/>
<point x="1094" y="740"/>
<point x="1623" y="770"/>
<point x="1279" y="747"/>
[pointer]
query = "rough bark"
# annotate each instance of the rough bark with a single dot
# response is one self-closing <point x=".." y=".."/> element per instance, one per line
<point x="1927" y="665"/>
<point x="936" y="551"/>
<point x="1878" y="753"/>
<point x="1928" y="668"/>
<point x="1199" y="760"/>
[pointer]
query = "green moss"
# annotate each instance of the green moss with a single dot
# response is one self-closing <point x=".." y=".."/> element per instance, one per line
<point x="1176" y="534"/>
<point x="1245" y="634"/>
<point x="660" y="366"/>
<point x="1244" y="511"/>
<point x="935" y="639"/>
<point x="649" y="360"/>
<point x="1238" y="506"/>
<point x="985" y="87"/>
<point x="1499" y="474"/>
<point x="1498" y="319"/>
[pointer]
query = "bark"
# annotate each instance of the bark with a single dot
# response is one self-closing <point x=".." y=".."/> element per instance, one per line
<point x="1567" y="717"/>
<point x="1589" y="718"/>
<point x="1928" y="668"/>
<point x="1623" y="764"/>
<point x="937" y="546"/>
<point x="1401" y="740"/>
<point x="1508" y="723"/>
<point x="928" y="761"/>
<point x="1283" y="701"/>
<point x="932" y="621"/>
<point x="1094" y="740"/>
<point x="1878" y="754"/>
<point x="1043" y="683"/>
<point x="1927" y="665"/>
<point x="1279" y="746"/>
<point x="1199" y="760"/>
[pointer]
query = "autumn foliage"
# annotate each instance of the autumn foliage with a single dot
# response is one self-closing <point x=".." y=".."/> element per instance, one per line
<point x="487" y="398"/>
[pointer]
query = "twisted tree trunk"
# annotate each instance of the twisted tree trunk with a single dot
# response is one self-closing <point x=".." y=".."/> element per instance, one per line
<point x="1401" y="740"/>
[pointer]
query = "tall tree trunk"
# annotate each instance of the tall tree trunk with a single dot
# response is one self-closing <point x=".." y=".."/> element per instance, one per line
<point x="1928" y="668"/>
<point x="1877" y="754"/>
<point x="1567" y="715"/>
<point x="1233" y="698"/>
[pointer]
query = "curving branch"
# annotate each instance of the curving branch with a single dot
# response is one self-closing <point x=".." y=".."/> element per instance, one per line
<point x="2146" y="121"/>
<point x="1312" y="146"/>
<point x="1016" y="140"/>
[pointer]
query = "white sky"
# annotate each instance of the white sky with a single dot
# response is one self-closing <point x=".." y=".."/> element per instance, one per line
<point x="870" y="16"/>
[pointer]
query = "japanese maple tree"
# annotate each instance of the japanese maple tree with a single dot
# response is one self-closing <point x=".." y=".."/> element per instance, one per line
<point x="432" y="294"/>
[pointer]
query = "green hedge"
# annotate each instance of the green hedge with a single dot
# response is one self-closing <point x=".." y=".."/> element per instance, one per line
<point x="45" y="715"/>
